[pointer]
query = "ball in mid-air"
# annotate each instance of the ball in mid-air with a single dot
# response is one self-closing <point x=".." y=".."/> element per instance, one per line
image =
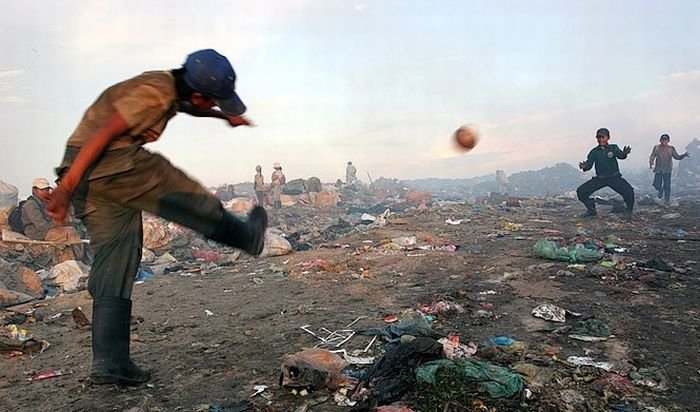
<point x="466" y="137"/>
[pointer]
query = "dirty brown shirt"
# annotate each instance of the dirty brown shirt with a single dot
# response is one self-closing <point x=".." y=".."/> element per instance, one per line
<point x="259" y="182"/>
<point x="146" y="103"/>
<point x="278" y="178"/>
<point x="664" y="156"/>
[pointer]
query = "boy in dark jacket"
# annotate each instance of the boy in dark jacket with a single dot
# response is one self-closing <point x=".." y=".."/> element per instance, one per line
<point x="604" y="158"/>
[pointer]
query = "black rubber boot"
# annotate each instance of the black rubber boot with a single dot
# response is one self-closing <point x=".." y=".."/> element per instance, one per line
<point x="247" y="235"/>
<point x="111" y="360"/>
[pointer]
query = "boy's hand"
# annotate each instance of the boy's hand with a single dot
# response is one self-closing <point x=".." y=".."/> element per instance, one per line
<point x="626" y="150"/>
<point x="58" y="205"/>
<point x="236" y="121"/>
<point x="581" y="165"/>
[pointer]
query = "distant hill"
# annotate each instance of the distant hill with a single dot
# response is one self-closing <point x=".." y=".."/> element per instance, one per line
<point x="553" y="180"/>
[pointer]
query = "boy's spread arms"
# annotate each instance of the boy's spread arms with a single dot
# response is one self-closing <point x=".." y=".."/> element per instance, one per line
<point x="192" y="110"/>
<point x="88" y="154"/>
<point x="587" y="164"/>
<point x="622" y="154"/>
<point x="675" y="154"/>
<point x="654" y="153"/>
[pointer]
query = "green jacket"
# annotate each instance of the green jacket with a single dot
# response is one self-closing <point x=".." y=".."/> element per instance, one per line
<point x="605" y="160"/>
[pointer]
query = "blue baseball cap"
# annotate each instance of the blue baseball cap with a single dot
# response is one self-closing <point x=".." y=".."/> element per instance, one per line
<point x="211" y="74"/>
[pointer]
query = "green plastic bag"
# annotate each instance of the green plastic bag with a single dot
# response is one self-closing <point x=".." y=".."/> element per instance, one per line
<point x="499" y="382"/>
<point x="579" y="253"/>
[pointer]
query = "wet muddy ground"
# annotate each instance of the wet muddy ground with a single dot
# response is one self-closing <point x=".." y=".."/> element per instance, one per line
<point x="209" y="337"/>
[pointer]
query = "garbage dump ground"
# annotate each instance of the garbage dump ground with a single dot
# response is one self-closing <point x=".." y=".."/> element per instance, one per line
<point x="605" y="319"/>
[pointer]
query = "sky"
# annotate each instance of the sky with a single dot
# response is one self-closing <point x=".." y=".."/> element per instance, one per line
<point x="381" y="83"/>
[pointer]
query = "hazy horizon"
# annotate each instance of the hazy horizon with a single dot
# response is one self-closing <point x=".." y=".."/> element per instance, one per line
<point x="380" y="83"/>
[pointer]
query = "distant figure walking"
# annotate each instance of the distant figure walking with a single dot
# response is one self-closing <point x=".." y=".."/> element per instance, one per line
<point x="350" y="174"/>
<point x="604" y="158"/>
<point x="661" y="160"/>
<point x="277" y="181"/>
<point x="259" y="185"/>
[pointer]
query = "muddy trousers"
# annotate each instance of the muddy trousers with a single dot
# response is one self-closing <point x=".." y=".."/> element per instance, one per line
<point x="616" y="183"/>
<point x="662" y="183"/>
<point x="110" y="200"/>
<point x="111" y="205"/>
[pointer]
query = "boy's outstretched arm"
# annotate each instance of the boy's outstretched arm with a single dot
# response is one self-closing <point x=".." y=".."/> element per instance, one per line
<point x="88" y="154"/>
<point x="192" y="110"/>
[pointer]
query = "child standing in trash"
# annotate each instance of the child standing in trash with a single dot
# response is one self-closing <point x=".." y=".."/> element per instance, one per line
<point x="277" y="181"/>
<point x="604" y="158"/>
<point x="110" y="179"/>
<point x="661" y="160"/>
<point x="259" y="185"/>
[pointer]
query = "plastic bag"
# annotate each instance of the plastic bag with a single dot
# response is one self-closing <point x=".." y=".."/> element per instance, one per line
<point x="579" y="253"/>
<point x="499" y="382"/>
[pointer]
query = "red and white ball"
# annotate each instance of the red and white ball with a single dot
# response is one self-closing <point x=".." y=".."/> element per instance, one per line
<point x="466" y="137"/>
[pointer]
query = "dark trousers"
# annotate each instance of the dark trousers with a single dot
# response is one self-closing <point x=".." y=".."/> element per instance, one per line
<point x="662" y="183"/>
<point x="261" y="198"/>
<point x="616" y="183"/>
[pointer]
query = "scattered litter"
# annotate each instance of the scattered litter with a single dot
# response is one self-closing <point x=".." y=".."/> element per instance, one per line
<point x="49" y="374"/>
<point x="355" y="360"/>
<point x="343" y="400"/>
<point x="453" y="349"/>
<point x="442" y="306"/>
<point x="588" y="361"/>
<point x="512" y="227"/>
<point x="547" y="311"/>
<point x="653" y="377"/>
<point x="366" y="217"/>
<point x="577" y="253"/>
<point x="258" y="390"/>
<point x="499" y="382"/>
<point x="314" y="368"/>
<point x="334" y="338"/>
<point x="499" y="341"/>
<point x="453" y="222"/>
<point x="79" y="317"/>
<point x="404" y="240"/>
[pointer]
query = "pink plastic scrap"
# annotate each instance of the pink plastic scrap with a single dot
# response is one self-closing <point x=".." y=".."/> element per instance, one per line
<point x="49" y="374"/>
